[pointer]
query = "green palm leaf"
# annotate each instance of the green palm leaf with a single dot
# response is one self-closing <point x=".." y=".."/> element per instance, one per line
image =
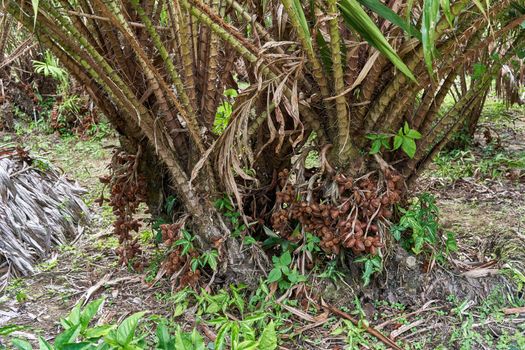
<point x="357" y="19"/>
<point x="387" y="13"/>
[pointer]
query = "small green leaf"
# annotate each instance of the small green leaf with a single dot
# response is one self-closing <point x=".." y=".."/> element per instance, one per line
<point x="21" y="344"/>
<point x="89" y="312"/>
<point x="68" y="336"/>
<point x="274" y="275"/>
<point x="268" y="339"/>
<point x="6" y="330"/>
<point x="194" y="264"/>
<point x="99" y="331"/>
<point x="451" y="243"/>
<point x="409" y="147"/>
<point x="398" y="141"/>
<point x="286" y="258"/>
<point x="44" y="344"/>
<point x="269" y="232"/>
<point x="126" y="330"/>
<point x="406" y="128"/>
<point x="413" y="134"/>
<point x="376" y="146"/>
<point x="221" y="336"/>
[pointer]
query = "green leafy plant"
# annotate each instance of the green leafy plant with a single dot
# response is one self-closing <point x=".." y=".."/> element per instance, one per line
<point x="421" y="221"/>
<point x="180" y="340"/>
<point x="243" y="335"/>
<point x="224" y="112"/>
<point x="186" y="242"/>
<point x="418" y="229"/>
<point x="229" y="211"/>
<point x="331" y="272"/>
<point x="50" y="67"/>
<point x="78" y="334"/>
<point x="207" y="258"/>
<point x="282" y="274"/>
<point x="404" y="139"/>
<point x="372" y="264"/>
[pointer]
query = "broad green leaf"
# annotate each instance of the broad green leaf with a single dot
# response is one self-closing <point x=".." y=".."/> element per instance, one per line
<point x="181" y="341"/>
<point x="126" y="330"/>
<point x="376" y="146"/>
<point x="68" y="336"/>
<point x="409" y="147"/>
<point x="387" y="13"/>
<point x="163" y="337"/>
<point x="99" y="331"/>
<point x="213" y="308"/>
<point x="73" y="318"/>
<point x="398" y="141"/>
<point x="44" y="344"/>
<point x="274" y="275"/>
<point x="357" y="19"/>
<point x="413" y="134"/>
<point x="194" y="263"/>
<point x="286" y="258"/>
<point x="90" y="311"/>
<point x="268" y="340"/>
<point x="21" y="344"/>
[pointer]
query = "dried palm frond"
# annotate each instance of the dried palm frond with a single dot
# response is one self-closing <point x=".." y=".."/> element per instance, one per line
<point x="508" y="83"/>
<point x="39" y="208"/>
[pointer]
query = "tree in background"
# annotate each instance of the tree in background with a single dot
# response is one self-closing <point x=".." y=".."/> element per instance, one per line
<point x="357" y="86"/>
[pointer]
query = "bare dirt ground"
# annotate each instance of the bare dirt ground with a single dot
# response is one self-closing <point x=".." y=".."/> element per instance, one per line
<point x="475" y="301"/>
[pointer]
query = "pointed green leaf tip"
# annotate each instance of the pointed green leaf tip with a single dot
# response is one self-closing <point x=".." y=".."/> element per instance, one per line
<point x="35" y="10"/>
<point x="357" y="19"/>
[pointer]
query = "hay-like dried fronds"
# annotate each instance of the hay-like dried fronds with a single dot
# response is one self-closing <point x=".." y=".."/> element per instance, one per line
<point x="39" y="208"/>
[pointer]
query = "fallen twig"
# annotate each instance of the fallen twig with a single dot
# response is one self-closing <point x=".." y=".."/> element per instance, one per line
<point x="370" y="330"/>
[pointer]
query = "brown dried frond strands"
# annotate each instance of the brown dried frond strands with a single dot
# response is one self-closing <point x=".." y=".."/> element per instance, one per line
<point x="354" y="219"/>
<point x="127" y="191"/>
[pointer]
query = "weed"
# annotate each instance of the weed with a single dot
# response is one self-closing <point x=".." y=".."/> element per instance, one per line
<point x="418" y="229"/>
<point x="282" y="274"/>
<point x="224" y="112"/>
<point x="404" y="139"/>
<point x="372" y="264"/>
<point x="457" y="164"/>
